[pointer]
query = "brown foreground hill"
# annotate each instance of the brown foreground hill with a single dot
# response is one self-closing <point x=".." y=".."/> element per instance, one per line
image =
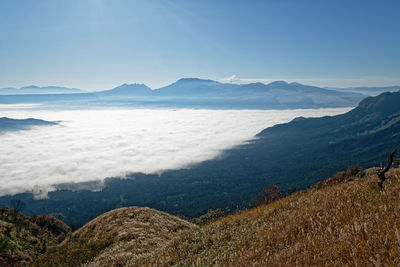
<point x="120" y="237"/>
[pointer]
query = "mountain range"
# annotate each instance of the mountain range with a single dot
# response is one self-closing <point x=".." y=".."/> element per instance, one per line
<point x="34" y="90"/>
<point x="293" y="155"/>
<point x="197" y="93"/>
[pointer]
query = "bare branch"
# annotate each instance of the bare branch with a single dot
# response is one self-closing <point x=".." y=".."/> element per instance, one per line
<point x="381" y="172"/>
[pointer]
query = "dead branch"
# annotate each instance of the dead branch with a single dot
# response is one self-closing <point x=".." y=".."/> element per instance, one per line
<point x="381" y="172"/>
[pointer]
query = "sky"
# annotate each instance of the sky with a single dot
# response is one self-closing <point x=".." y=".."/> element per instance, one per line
<point x="100" y="44"/>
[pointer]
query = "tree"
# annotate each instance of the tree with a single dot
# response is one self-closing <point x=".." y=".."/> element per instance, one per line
<point x="17" y="206"/>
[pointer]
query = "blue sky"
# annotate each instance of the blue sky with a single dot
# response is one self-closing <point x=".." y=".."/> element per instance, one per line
<point x="98" y="44"/>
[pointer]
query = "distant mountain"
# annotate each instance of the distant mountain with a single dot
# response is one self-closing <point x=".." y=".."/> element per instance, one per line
<point x="54" y="99"/>
<point x="7" y="124"/>
<point x="192" y="87"/>
<point x="277" y="94"/>
<point x="293" y="155"/>
<point x="34" y="90"/>
<point x="202" y="93"/>
<point x="371" y="91"/>
<point x="128" y="90"/>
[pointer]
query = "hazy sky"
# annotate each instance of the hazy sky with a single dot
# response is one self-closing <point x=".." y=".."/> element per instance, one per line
<point x="98" y="44"/>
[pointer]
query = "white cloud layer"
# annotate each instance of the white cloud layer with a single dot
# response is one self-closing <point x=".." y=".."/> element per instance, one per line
<point x="91" y="145"/>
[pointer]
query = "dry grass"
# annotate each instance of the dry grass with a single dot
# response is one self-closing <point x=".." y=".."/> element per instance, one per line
<point x="348" y="224"/>
<point x="121" y="237"/>
<point x="24" y="238"/>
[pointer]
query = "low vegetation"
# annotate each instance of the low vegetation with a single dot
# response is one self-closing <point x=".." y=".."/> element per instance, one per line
<point x="345" y="221"/>
<point x="24" y="238"/>
<point x="121" y="237"/>
<point x="211" y="216"/>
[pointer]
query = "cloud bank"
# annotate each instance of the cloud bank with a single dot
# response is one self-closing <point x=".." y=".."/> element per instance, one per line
<point x="91" y="145"/>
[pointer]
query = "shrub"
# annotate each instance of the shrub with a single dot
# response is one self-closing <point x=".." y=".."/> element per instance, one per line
<point x="211" y="216"/>
<point x="353" y="171"/>
<point x="267" y="196"/>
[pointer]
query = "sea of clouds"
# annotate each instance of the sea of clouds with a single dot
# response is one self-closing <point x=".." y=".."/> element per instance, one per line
<point x="91" y="145"/>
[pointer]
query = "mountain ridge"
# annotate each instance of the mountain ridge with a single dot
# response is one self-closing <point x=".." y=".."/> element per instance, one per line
<point x="33" y="89"/>
<point x="128" y="89"/>
<point x="385" y="103"/>
<point x="368" y="90"/>
<point x="202" y="93"/>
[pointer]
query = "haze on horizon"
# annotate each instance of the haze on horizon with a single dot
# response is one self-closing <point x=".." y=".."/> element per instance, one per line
<point x="99" y="44"/>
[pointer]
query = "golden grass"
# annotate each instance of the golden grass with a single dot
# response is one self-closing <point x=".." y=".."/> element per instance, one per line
<point x="348" y="224"/>
<point x="120" y="237"/>
<point x="24" y="238"/>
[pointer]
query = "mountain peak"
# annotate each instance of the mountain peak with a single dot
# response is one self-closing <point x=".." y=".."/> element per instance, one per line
<point x="192" y="80"/>
<point x="278" y="83"/>
<point x="257" y="85"/>
<point x="385" y="103"/>
<point x="31" y="87"/>
<point x="128" y="89"/>
<point x="295" y="83"/>
<point x="133" y="86"/>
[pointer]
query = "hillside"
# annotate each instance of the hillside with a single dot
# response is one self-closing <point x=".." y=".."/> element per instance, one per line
<point x="347" y="224"/>
<point x="346" y="220"/>
<point x="24" y="238"/>
<point x="120" y="237"/>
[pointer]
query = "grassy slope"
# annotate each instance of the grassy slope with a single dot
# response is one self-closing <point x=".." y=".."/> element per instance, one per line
<point x="120" y="237"/>
<point x="24" y="238"/>
<point x="352" y="223"/>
